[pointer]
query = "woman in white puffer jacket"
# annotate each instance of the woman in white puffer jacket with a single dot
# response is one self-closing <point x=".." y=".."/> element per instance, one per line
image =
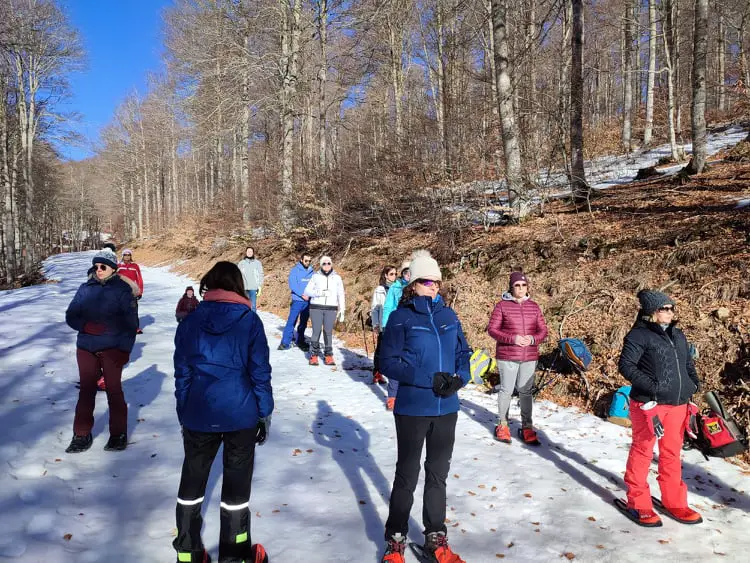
<point x="326" y="293"/>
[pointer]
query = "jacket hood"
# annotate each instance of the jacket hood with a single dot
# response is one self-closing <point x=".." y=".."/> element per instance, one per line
<point x="507" y="296"/>
<point x="299" y="265"/>
<point x="424" y="305"/>
<point x="218" y="317"/>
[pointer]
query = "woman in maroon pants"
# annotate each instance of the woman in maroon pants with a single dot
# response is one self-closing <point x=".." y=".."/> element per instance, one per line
<point x="104" y="314"/>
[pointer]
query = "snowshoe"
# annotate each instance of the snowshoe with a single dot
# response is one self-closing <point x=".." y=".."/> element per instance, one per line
<point x="258" y="554"/>
<point x="435" y="550"/>
<point x="394" y="549"/>
<point x="645" y="518"/>
<point x="502" y="433"/>
<point x="116" y="443"/>
<point x="79" y="444"/>
<point x="682" y="515"/>
<point x="529" y="437"/>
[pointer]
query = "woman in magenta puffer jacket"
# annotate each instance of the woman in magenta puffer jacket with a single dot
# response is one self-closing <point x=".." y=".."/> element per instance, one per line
<point x="518" y="326"/>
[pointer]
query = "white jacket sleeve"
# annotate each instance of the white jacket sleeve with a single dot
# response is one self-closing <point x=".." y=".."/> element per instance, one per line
<point x="260" y="273"/>
<point x="376" y="308"/>
<point x="311" y="289"/>
<point x="340" y="296"/>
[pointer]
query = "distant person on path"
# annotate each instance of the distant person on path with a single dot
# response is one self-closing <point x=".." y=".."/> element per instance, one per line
<point x="518" y="327"/>
<point x="299" y="277"/>
<point x="103" y="312"/>
<point x="387" y="277"/>
<point x="132" y="271"/>
<point x="423" y="348"/>
<point x="327" y="304"/>
<point x="391" y="304"/>
<point x="187" y="304"/>
<point x="252" y="275"/>
<point x="224" y="396"/>
<point x="656" y="360"/>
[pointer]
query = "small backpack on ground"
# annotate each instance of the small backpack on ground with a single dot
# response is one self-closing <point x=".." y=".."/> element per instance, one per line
<point x="576" y="352"/>
<point x="619" y="408"/>
<point x="714" y="432"/>
<point x="480" y="364"/>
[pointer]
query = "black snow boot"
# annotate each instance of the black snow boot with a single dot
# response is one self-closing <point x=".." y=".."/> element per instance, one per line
<point x="116" y="443"/>
<point x="79" y="444"/>
<point x="193" y="557"/>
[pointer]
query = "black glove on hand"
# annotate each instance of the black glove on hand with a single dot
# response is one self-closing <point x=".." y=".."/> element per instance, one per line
<point x="658" y="427"/>
<point x="263" y="430"/>
<point x="446" y="384"/>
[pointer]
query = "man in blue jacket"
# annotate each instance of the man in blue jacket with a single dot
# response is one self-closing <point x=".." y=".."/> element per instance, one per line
<point x="300" y="306"/>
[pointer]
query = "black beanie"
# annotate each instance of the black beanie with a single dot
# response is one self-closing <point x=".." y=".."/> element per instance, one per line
<point x="652" y="300"/>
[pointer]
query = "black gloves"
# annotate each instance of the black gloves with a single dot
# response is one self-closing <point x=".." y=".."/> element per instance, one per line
<point x="658" y="427"/>
<point x="446" y="384"/>
<point x="264" y="428"/>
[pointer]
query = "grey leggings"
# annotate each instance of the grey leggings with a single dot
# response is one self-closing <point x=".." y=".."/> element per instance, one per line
<point x="518" y="375"/>
<point x="322" y="319"/>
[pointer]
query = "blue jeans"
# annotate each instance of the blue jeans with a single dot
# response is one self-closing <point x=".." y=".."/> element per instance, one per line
<point x="301" y="310"/>
<point x="252" y="295"/>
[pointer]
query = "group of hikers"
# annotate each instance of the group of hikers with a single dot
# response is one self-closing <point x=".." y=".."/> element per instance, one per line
<point x="224" y="395"/>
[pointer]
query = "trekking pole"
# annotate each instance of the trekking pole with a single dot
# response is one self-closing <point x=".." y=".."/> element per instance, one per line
<point x="364" y="335"/>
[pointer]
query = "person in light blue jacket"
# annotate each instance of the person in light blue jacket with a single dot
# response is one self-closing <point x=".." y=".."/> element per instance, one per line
<point x="392" y="299"/>
<point x="299" y="277"/>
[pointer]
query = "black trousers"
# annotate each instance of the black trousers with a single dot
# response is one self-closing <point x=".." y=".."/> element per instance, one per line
<point x="439" y="433"/>
<point x="376" y="355"/>
<point x="239" y="455"/>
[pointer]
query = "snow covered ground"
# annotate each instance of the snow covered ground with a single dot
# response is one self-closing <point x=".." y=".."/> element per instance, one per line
<point x="322" y="481"/>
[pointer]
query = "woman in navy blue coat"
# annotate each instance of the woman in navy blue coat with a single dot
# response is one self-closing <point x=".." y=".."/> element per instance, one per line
<point x="424" y="349"/>
<point x="223" y="391"/>
<point x="104" y="314"/>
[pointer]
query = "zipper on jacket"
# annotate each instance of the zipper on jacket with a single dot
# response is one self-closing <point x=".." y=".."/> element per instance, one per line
<point x="523" y="328"/>
<point x="677" y="361"/>
<point x="440" y="353"/>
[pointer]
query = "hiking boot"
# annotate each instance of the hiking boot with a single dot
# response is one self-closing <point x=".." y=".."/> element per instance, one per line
<point x="436" y="544"/>
<point x="329" y="361"/>
<point x="647" y="518"/>
<point x="116" y="443"/>
<point x="390" y="402"/>
<point x="502" y="433"/>
<point x="79" y="444"/>
<point x="258" y="554"/>
<point x="100" y="384"/>
<point x="394" y="549"/>
<point x="314" y="361"/>
<point x="528" y="435"/>
<point x="193" y="557"/>
<point x="283" y="347"/>
<point x="304" y="346"/>
<point x="139" y="331"/>
<point x="377" y="377"/>
<point x="685" y="515"/>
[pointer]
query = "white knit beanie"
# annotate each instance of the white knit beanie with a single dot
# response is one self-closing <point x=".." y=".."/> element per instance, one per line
<point x="424" y="267"/>
<point x="325" y="259"/>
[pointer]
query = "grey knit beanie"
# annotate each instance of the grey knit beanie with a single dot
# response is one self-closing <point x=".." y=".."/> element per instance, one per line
<point x="105" y="256"/>
<point x="651" y="300"/>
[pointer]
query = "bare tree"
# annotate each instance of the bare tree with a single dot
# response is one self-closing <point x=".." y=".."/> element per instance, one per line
<point x="698" y="128"/>
<point x="652" y="39"/>
<point x="578" y="182"/>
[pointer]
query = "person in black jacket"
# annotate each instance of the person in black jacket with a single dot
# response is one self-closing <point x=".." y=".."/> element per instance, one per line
<point x="656" y="360"/>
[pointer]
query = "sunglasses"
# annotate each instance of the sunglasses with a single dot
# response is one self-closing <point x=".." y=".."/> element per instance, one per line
<point x="668" y="309"/>
<point x="306" y="260"/>
<point x="102" y="267"/>
<point x="391" y="274"/>
<point x="428" y="283"/>
<point x="326" y="264"/>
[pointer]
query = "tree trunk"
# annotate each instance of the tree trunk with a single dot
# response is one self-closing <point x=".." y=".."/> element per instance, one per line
<point x="508" y="125"/>
<point x="322" y="84"/>
<point x="649" y="128"/>
<point x="577" y="174"/>
<point x="245" y="139"/>
<point x="627" y="72"/>
<point x="722" y="53"/>
<point x="668" y="30"/>
<point x="698" y="123"/>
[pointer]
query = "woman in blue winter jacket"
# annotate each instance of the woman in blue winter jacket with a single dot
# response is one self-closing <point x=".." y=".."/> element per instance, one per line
<point x="424" y="349"/>
<point x="103" y="312"/>
<point x="223" y="391"/>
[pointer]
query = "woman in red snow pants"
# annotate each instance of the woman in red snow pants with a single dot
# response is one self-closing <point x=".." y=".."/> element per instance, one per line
<point x="656" y="360"/>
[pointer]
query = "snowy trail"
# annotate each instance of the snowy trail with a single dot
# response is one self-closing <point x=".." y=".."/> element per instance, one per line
<point x="322" y="481"/>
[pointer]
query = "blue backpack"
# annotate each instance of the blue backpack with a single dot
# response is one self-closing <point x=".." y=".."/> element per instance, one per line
<point x="576" y="353"/>
<point x="619" y="409"/>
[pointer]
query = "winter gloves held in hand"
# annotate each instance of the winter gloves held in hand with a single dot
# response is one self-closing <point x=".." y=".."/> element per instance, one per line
<point x="341" y="316"/>
<point x="446" y="384"/>
<point x="264" y="428"/>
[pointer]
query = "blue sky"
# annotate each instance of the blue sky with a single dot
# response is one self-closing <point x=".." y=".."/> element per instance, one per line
<point x="122" y="40"/>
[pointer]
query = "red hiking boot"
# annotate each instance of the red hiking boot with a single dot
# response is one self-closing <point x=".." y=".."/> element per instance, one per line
<point x="314" y="361"/>
<point x="502" y="433"/>
<point x="436" y="544"/>
<point x="329" y="361"/>
<point x="258" y="554"/>
<point x="685" y="515"/>
<point x="100" y="384"/>
<point x="647" y="518"/>
<point x="528" y="435"/>
<point x="390" y="402"/>
<point x="394" y="549"/>
<point x="378" y="377"/>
